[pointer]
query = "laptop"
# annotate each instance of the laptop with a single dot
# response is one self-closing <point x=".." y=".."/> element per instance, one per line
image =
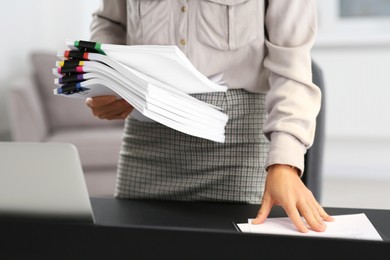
<point x="43" y="181"/>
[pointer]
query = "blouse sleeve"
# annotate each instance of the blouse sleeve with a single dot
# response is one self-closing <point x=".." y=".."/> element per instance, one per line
<point x="109" y="22"/>
<point x="293" y="101"/>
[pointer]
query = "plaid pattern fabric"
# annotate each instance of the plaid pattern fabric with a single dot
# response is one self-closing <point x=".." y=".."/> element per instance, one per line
<point x="157" y="162"/>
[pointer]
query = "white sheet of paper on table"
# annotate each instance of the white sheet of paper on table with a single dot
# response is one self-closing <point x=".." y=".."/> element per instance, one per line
<point x="353" y="226"/>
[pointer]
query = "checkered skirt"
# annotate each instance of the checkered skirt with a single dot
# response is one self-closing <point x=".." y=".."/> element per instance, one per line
<point x="157" y="162"/>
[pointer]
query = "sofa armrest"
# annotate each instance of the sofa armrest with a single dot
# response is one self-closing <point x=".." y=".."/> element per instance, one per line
<point x="26" y="114"/>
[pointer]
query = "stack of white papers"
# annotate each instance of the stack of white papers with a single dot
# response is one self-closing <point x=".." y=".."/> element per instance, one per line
<point x="156" y="80"/>
<point x="355" y="226"/>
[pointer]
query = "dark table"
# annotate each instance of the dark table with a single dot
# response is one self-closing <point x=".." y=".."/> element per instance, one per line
<point x="131" y="229"/>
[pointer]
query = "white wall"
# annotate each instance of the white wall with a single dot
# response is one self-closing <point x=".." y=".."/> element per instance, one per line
<point x="354" y="54"/>
<point x="27" y="25"/>
<point x="357" y="90"/>
<point x="357" y="109"/>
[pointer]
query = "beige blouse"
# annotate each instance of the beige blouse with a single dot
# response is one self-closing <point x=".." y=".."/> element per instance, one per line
<point x="262" y="46"/>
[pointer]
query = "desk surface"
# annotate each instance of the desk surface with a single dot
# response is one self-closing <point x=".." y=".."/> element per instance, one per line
<point x="203" y="215"/>
<point x="129" y="229"/>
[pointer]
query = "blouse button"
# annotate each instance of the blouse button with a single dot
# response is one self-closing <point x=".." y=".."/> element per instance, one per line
<point x="183" y="42"/>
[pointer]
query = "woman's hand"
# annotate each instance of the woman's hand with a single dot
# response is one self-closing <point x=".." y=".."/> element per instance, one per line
<point x="285" y="188"/>
<point x="109" y="107"/>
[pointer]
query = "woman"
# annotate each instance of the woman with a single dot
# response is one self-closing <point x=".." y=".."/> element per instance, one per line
<point x="259" y="49"/>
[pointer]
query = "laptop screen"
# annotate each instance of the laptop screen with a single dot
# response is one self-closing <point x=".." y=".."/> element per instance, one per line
<point x="43" y="180"/>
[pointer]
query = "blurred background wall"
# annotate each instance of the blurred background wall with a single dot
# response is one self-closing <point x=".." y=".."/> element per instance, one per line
<point x="353" y="50"/>
<point x="27" y="26"/>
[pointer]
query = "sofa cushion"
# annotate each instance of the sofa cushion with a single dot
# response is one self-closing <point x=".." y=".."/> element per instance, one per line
<point x="98" y="147"/>
<point x="61" y="112"/>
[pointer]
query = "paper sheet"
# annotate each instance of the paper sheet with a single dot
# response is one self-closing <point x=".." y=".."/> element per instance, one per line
<point x="156" y="80"/>
<point x="354" y="226"/>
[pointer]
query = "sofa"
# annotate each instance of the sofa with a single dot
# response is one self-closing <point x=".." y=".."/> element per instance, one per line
<point x="36" y="115"/>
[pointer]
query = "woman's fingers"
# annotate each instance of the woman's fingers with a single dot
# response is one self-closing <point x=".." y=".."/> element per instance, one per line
<point x="109" y="107"/>
<point x="99" y="101"/>
<point x="264" y="211"/>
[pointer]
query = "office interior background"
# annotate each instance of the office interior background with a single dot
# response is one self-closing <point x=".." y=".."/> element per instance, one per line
<point x="352" y="49"/>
